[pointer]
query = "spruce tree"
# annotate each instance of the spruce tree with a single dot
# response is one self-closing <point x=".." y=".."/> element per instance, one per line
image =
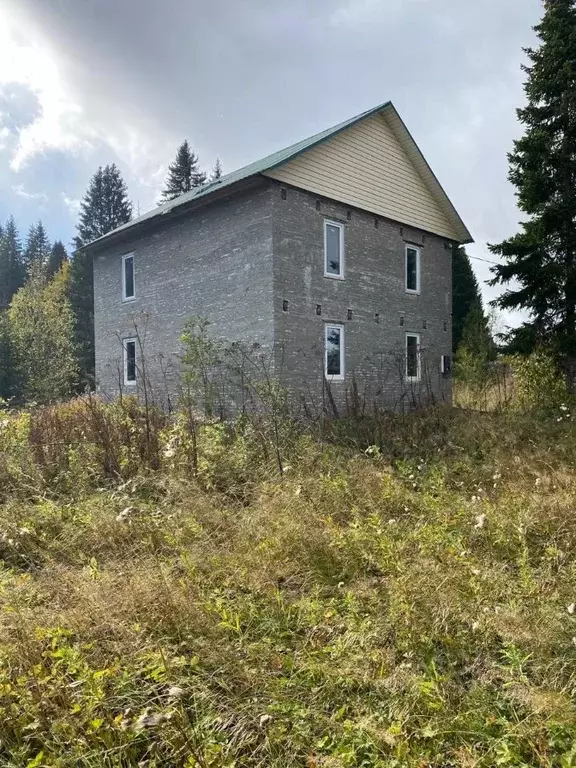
<point x="12" y="270"/>
<point x="466" y="295"/>
<point x="184" y="174"/>
<point x="37" y="246"/>
<point x="216" y="171"/>
<point x="57" y="257"/>
<point x="540" y="260"/>
<point x="105" y="206"/>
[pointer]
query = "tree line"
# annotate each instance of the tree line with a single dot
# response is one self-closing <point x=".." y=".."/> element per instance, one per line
<point x="46" y="295"/>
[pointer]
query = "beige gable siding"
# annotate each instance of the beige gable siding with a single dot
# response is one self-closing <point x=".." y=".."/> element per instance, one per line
<point x="366" y="166"/>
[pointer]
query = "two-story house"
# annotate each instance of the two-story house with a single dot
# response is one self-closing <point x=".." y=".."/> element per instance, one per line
<point x="333" y="254"/>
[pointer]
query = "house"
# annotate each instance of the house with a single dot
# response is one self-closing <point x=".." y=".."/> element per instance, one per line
<point x="333" y="256"/>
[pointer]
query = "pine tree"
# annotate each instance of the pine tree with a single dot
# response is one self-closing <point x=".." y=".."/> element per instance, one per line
<point x="541" y="258"/>
<point x="37" y="246"/>
<point x="105" y="206"/>
<point x="58" y="256"/>
<point x="12" y="270"/>
<point x="466" y="296"/>
<point x="184" y="174"/>
<point x="41" y="332"/>
<point x="216" y="171"/>
<point x="5" y="357"/>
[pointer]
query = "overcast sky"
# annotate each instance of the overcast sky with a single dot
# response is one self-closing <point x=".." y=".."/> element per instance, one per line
<point x="88" y="82"/>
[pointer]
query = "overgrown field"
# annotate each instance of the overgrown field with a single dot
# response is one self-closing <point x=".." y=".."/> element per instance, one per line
<point x="399" y="593"/>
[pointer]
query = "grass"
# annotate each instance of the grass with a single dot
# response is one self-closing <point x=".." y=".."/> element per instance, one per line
<point x="401" y="596"/>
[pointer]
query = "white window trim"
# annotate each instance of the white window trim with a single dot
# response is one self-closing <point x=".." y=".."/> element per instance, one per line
<point x="125" y="343"/>
<point x="124" y="257"/>
<point x="417" y="378"/>
<point x="342" y="375"/>
<point x="340" y="226"/>
<point x="417" y="249"/>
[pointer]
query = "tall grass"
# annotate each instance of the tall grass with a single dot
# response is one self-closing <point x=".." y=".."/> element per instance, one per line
<point x="398" y="592"/>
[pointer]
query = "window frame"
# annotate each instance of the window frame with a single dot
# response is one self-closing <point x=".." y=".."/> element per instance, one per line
<point x="415" y="248"/>
<point x="341" y="241"/>
<point x="125" y="257"/>
<point x="129" y="382"/>
<point x="418" y="377"/>
<point x="342" y="375"/>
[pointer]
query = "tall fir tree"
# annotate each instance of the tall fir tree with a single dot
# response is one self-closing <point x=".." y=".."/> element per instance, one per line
<point x="57" y="257"/>
<point x="216" y="171"/>
<point x="184" y="174"/>
<point x="12" y="269"/>
<point x="466" y="296"/>
<point x="37" y="246"/>
<point x="541" y="258"/>
<point x="105" y="206"/>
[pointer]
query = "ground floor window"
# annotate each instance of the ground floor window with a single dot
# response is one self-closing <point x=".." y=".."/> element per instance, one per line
<point x="334" y="352"/>
<point x="413" y="357"/>
<point x="129" y="361"/>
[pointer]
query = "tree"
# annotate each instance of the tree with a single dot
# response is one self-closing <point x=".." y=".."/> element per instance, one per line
<point x="184" y="174"/>
<point x="105" y="206"/>
<point x="466" y="294"/>
<point x="41" y="331"/>
<point x="541" y="259"/>
<point x="12" y="270"/>
<point x="5" y="358"/>
<point x="216" y="171"/>
<point x="37" y="246"/>
<point x="57" y="257"/>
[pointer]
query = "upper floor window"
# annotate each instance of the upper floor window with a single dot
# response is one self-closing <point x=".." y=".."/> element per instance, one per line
<point x="333" y="249"/>
<point x="128" y="284"/>
<point x="413" y="365"/>
<point x="334" y="352"/>
<point x="412" y="269"/>
<point x="129" y="361"/>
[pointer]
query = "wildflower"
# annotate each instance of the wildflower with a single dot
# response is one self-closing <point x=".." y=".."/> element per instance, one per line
<point x="149" y="719"/>
<point x="175" y="692"/>
<point x="480" y="521"/>
<point x="563" y="407"/>
<point x="124" y="515"/>
<point x="475" y="626"/>
<point x="476" y="571"/>
<point x="537" y="481"/>
<point x="264" y="719"/>
<point x="572" y="609"/>
<point x="24" y="531"/>
<point x="391" y="521"/>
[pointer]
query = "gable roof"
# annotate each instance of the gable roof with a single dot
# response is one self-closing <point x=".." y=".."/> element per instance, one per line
<point x="283" y="156"/>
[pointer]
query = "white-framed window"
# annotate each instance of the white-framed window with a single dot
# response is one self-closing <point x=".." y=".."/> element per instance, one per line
<point x="334" y="352"/>
<point x="333" y="249"/>
<point x="413" y="364"/>
<point x="129" y="346"/>
<point x="128" y="282"/>
<point x="412" y="269"/>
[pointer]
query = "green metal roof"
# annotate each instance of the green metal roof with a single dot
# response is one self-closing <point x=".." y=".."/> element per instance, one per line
<point x="257" y="168"/>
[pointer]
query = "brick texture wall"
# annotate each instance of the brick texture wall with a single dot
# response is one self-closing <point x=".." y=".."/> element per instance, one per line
<point x="374" y="285"/>
<point x="216" y="263"/>
<point x="237" y="261"/>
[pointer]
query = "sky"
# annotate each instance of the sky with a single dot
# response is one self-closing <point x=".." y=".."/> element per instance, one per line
<point x="84" y="83"/>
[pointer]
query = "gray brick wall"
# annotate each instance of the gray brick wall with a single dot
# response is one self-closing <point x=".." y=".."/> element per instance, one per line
<point x="374" y="284"/>
<point x="237" y="261"/>
<point x="216" y="263"/>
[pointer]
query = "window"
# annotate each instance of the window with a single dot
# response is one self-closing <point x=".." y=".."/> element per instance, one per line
<point x="333" y="249"/>
<point x="412" y="269"/>
<point x="129" y="361"/>
<point x="412" y="357"/>
<point x="128" y="287"/>
<point x="334" y="352"/>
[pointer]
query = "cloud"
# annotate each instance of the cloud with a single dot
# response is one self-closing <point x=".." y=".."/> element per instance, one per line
<point x="19" y="190"/>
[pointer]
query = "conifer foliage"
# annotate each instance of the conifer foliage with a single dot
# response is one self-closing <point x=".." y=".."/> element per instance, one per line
<point x="37" y="248"/>
<point x="539" y="266"/>
<point x="184" y="174"/>
<point x="56" y="259"/>
<point x="105" y="206"/>
<point x="466" y="296"/>
<point x="12" y="269"/>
